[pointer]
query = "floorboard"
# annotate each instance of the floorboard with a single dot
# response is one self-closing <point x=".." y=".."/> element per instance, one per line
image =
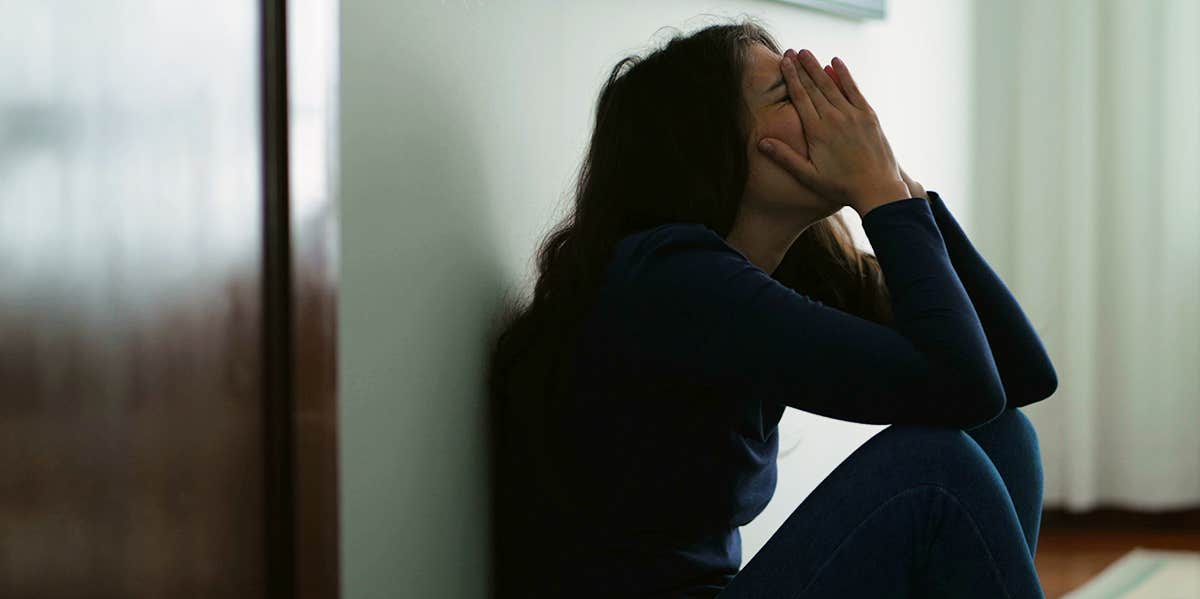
<point x="1072" y="548"/>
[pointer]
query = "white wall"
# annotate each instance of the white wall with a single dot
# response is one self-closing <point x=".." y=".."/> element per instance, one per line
<point x="462" y="125"/>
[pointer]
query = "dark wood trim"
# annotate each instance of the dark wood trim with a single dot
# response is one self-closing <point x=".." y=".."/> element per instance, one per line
<point x="1113" y="518"/>
<point x="278" y="398"/>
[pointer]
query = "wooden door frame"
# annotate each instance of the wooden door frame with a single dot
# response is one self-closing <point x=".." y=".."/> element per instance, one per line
<point x="300" y="511"/>
<point x="279" y="505"/>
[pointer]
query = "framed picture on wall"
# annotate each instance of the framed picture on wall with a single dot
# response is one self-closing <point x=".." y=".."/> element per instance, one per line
<point x="862" y="9"/>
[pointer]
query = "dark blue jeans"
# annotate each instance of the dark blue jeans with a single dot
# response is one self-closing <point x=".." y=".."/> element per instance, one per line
<point x="913" y="512"/>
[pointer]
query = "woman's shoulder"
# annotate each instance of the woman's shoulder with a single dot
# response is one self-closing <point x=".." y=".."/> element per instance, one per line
<point x="666" y="251"/>
<point x="671" y="237"/>
<point x="671" y="230"/>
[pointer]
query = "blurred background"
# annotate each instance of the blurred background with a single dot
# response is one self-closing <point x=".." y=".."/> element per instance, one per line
<point x="252" y="253"/>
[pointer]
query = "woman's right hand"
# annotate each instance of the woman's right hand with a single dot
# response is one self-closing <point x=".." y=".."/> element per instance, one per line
<point x="849" y="159"/>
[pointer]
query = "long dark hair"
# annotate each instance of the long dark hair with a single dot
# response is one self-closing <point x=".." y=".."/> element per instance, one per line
<point x="668" y="145"/>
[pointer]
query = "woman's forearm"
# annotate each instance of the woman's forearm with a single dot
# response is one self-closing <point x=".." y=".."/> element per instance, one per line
<point x="1025" y="368"/>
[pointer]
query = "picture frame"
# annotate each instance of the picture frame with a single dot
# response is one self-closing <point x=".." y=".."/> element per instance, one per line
<point x="860" y="9"/>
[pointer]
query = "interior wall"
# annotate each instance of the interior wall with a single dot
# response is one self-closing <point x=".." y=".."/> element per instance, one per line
<point x="462" y="126"/>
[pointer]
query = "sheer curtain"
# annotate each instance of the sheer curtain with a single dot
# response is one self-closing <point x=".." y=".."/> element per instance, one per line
<point x="1086" y="200"/>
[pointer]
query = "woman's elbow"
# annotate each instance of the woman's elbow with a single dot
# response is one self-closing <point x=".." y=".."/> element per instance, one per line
<point x="1036" y="389"/>
<point x="977" y="404"/>
<point x="990" y="405"/>
<point x="1049" y="384"/>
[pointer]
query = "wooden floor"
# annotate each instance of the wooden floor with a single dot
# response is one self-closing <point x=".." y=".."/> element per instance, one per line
<point x="1072" y="548"/>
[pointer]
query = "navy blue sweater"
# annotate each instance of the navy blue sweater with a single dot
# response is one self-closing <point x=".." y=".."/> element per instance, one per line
<point x="690" y="355"/>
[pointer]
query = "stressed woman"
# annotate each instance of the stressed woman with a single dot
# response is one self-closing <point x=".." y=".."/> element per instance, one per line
<point x="703" y="284"/>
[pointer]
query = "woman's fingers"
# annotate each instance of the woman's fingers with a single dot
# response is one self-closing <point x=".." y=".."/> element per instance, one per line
<point x="791" y="161"/>
<point x="815" y="98"/>
<point x="799" y="93"/>
<point x="847" y="80"/>
<point x="829" y="92"/>
<point x="833" y="75"/>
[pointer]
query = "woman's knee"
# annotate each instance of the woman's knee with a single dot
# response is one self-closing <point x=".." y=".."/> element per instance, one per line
<point x="927" y="439"/>
<point x="1024" y="428"/>
<point x="1010" y="438"/>
<point x="1012" y="422"/>
<point x="942" y="456"/>
<point x="1011" y="442"/>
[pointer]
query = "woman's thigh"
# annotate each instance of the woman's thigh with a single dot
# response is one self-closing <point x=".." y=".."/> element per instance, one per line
<point x="913" y="512"/>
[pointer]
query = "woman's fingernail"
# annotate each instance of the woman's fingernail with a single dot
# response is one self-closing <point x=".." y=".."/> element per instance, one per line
<point x="765" y="145"/>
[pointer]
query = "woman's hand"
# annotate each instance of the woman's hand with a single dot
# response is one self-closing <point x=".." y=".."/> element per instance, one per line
<point x="915" y="189"/>
<point x="849" y="157"/>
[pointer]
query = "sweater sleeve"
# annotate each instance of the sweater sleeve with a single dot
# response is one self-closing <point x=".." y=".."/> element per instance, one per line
<point x="701" y="312"/>
<point x="1024" y="366"/>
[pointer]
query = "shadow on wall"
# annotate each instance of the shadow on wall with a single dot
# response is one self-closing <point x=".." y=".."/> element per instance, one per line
<point x="422" y="279"/>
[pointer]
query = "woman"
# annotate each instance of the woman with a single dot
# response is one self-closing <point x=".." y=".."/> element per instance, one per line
<point x="702" y="285"/>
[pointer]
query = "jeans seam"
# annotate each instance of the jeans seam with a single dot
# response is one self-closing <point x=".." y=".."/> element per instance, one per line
<point x="978" y="535"/>
<point x="943" y="490"/>
<point x="832" y="554"/>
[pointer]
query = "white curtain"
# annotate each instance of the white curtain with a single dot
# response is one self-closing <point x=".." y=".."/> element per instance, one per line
<point x="1086" y="201"/>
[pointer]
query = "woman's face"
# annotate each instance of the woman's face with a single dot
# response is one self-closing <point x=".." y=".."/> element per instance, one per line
<point x="770" y="188"/>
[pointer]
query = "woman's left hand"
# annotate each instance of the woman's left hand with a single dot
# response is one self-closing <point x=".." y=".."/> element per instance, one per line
<point x="915" y="190"/>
